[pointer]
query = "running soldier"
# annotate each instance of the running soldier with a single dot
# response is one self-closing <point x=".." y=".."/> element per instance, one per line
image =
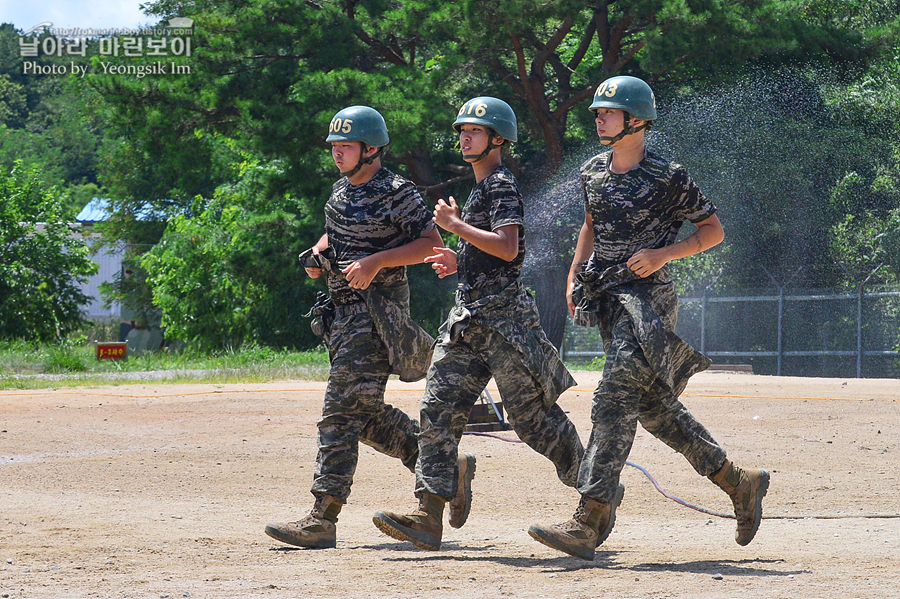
<point x="635" y="204"/>
<point x="493" y="330"/>
<point x="375" y="224"/>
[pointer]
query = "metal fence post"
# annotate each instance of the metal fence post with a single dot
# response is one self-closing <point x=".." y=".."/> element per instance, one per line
<point x="859" y="349"/>
<point x="780" y="331"/>
<point x="703" y="323"/>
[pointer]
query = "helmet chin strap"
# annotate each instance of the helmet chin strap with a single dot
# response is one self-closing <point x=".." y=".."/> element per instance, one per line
<point x="491" y="145"/>
<point x="628" y="130"/>
<point x="363" y="161"/>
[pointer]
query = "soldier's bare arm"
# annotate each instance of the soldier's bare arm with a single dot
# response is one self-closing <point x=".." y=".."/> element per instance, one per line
<point x="708" y="234"/>
<point x="360" y="274"/>
<point x="502" y="242"/>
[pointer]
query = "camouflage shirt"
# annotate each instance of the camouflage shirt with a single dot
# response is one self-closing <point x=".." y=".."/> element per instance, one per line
<point x="383" y="213"/>
<point x="643" y="208"/>
<point x="494" y="202"/>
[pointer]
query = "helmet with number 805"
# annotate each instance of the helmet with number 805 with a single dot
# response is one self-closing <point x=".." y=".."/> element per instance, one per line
<point x="490" y="112"/>
<point x="626" y="93"/>
<point x="359" y="123"/>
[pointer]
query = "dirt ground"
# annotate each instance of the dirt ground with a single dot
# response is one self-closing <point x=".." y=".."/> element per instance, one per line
<point x="164" y="491"/>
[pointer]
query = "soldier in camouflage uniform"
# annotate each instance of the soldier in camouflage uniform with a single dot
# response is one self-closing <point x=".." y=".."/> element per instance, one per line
<point x="375" y="224"/>
<point x="493" y="330"/>
<point x="635" y="205"/>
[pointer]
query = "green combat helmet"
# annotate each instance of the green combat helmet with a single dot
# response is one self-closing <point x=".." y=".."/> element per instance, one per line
<point x="494" y="114"/>
<point x="630" y="94"/>
<point x="362" y="124"/>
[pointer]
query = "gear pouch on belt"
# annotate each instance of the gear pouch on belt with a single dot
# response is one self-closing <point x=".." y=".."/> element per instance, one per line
<point x="322" y="314"/>
<point x="585" y="311"/>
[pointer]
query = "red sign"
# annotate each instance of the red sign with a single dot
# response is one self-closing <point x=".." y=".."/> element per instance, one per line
<point x="111" y="350"/>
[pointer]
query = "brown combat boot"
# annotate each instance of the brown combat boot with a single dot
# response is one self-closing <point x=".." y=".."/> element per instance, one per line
<point x="746" y="489"/>
<point x="588" y="528"/>
<point x="315" y="531"/>
<point x="423" y="528"/>
<point x="462" y="502"/>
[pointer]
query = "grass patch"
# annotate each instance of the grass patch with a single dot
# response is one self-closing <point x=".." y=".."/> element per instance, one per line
<point x="595" y="364"/>
<point x="73" y="363"/>
<point x="64" y="358"/>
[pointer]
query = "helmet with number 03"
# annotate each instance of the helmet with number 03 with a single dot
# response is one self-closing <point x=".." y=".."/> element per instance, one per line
<point x="626" y="93"/>
<point x="359" y="123"/>
<point x="490" y="112"/>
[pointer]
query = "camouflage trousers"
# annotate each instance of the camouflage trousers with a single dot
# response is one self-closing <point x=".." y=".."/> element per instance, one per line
<point x="630" y="392"/>
<point x="458" y="374"/>
<point x="354" y="408"/>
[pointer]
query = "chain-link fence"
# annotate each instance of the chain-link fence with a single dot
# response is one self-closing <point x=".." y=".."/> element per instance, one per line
<point x="797" y="332"/>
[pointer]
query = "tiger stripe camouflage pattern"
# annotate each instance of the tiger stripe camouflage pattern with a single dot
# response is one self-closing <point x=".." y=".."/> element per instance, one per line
<point x="493" y="330"/>
<point x="493" y="203"/>
<point x="384" y="213"/>
<point x="643" y="208"/>
<point x="360" y="220"/>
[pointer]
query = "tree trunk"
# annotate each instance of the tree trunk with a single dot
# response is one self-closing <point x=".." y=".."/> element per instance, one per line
<point x="421" y="169"/>
<point x="550" y="296"/>
<point x="552" y="219"/>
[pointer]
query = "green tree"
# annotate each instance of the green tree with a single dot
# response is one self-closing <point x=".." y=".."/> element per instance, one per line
<point x="227" y="272"/>
<point x="12" y="100"/>
<point x="49" y="121"/>
<point x="41" y="260"/>
<point x="865" y="202"/>
<point x="276" y="90"/>
<point x="868" y="247"/>
<point x="768" y="152"/>
<point x="194" y="283"/>
<point x="549" y="57"/>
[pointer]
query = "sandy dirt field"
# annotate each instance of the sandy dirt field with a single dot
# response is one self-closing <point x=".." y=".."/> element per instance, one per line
<point x="163" y="491"/>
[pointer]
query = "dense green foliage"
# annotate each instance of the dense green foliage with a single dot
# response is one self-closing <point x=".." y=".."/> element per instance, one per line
<point x="41" y="260"/>
<point x="865" y="201"/>
<point x="232" y="158"/>
<point x="216" y="274"/>
<point x="48" y="123"/>
<point x="784" y="167"/>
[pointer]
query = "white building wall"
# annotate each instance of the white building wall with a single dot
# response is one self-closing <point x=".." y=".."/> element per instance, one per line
<point x="110" y="261"/>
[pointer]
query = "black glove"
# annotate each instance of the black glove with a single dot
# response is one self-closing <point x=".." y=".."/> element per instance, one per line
<point x="323" y="260"/>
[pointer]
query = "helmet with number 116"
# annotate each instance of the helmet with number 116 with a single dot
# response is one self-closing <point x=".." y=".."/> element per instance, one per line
<point x="493" y="113"/>
<point x="630" y="94"/>
<point x="490" y="112"/>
